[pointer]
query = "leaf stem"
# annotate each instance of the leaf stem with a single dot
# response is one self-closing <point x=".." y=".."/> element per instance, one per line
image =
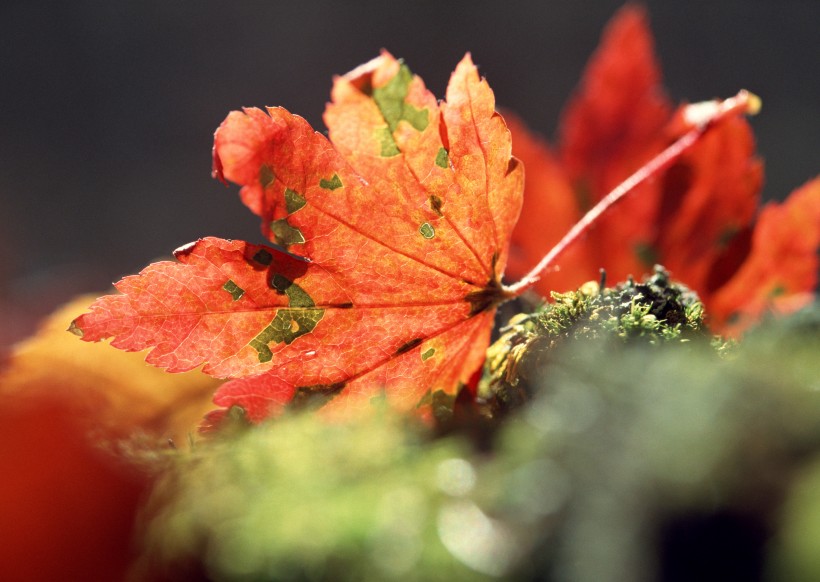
<point x="701" y="116"/>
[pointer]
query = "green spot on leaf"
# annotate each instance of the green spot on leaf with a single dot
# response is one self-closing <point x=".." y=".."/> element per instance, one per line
<point x="442" y="159"/>
<point x="266" y="176"/>
<point x="287" y="326"/>
<point x="427" y="230"/>
<point x="285" y="234"/>
<point x="386" y="141"/>
<point x="390" y="99"/>
<point x="332" y="184"/>
<point x="298" y="319"/>
<point x="428" y="354"/>
<point x="416" y="117"/>
<point x="297" y="297"/>
<point x="235" y="290"/>
<point x="293" y="200"/>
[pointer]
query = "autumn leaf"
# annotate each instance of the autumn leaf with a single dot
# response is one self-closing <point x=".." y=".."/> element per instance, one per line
<point x="111" y="390"/>
<point x="391" y="240"/>
<point x="697" y="217"/>
<point x="68" y="506"/>
<point x="611" y="127"/>
<point x="551" y="210"/>
<point x="780" y="272"/>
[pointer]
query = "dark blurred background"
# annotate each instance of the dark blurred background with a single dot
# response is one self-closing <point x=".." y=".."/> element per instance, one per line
<point x="107" y="108"/>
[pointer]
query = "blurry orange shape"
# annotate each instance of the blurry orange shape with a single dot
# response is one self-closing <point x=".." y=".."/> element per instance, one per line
<point x="67" y="509"/>
<point x="112" y="390"/>
<point x="780" y="272"/>
<point x="67" y="502"/>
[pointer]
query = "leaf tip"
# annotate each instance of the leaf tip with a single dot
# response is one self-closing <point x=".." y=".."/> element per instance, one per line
<point x="75" y="329"/>
<point x="467" y="64"/>
<point x="184" y="250"/>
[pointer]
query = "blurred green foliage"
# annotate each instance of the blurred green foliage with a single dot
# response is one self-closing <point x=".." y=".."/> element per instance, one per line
<point x="628" y="462"/>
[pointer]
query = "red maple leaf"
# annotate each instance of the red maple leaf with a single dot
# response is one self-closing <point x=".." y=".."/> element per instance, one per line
<point x="699" y="217"/>
<point x="396" y="230"/>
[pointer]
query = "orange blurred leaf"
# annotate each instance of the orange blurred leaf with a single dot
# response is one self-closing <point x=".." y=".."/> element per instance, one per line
<point x="110" y="390"/>
<point x="780" y="272"/>
<point x="68" y="506"/>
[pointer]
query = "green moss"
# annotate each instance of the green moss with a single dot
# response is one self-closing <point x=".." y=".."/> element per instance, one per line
<point x="301" y="499"/>
<point x="656" y="312"/>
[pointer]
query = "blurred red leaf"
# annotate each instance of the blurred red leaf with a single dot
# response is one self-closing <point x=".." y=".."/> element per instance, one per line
<point x="67" y="510"/>
<point x="697" y="218"/>
<point x="780" y="271"/>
